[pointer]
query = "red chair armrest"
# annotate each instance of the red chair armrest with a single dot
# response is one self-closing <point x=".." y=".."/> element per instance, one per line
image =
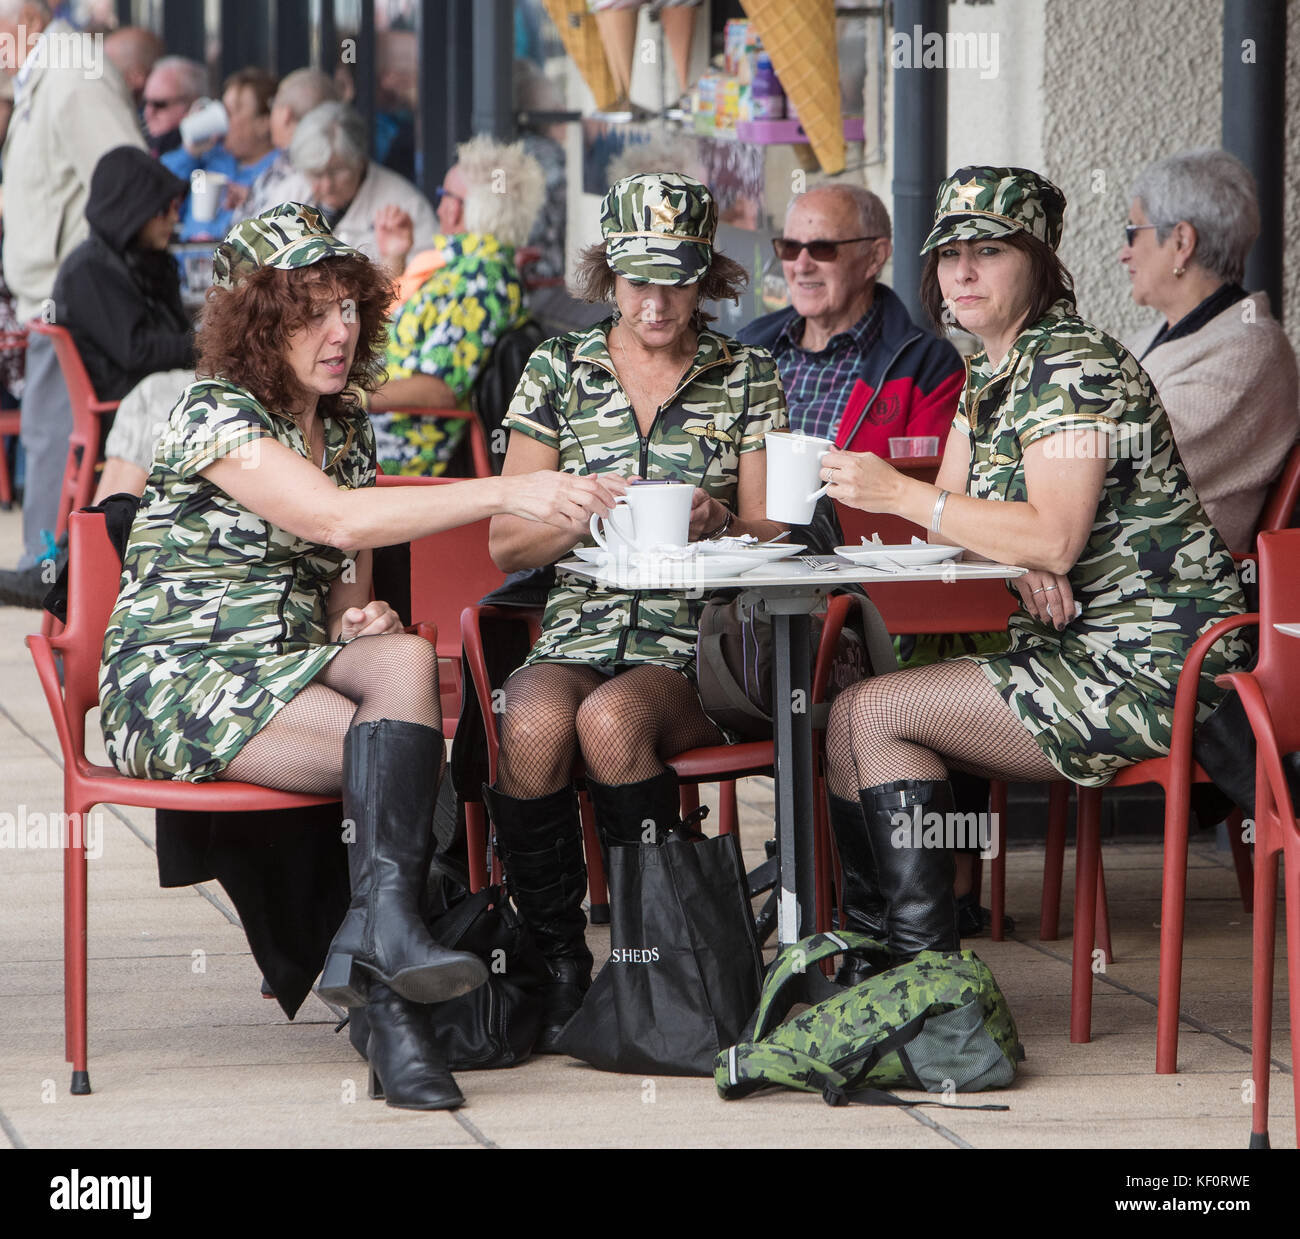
<point x="1185" y="696"/>
<point x="48" y="674"/>
<point x="1269" y="775"/>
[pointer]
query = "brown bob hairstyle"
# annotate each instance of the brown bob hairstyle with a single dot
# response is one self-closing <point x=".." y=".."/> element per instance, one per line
<point x="1049" y="281"/>
<point x="594" y="281"/>
<point x="245" y="329"/>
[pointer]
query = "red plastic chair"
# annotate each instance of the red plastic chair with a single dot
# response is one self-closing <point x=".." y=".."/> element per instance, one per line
<point x="1175" y="774"/>
<point x="10" y="421"/>
<point x="723" y="763"/>
<point x="88" y="412"/>
<point x="449" y="571"/>
<point x="93" y="578"/>
<point x="1269" y="694"/>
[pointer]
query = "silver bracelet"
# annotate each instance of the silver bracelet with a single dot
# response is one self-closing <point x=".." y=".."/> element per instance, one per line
<point x="937" y="515"/>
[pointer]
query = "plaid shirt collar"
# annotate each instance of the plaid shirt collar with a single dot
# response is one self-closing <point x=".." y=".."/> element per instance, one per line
<point x="860" y="336"/>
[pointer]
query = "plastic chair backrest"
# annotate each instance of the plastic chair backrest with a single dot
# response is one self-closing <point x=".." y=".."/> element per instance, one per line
<point x="1278" y="670"/>
<point x="449" y="571"/>
<point x="80" y="392"/>
<point x="471" y="631"/>
<point x="94" y="580"/>
<point x="1283" y="495"/>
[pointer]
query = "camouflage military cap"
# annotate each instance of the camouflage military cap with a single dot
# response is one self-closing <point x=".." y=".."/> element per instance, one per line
<point x="287" y="236"/>
<point x="658" y="228"/>
<point x="995" y="202"/>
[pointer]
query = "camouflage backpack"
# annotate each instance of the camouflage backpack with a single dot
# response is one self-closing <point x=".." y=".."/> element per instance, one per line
<point x="937" y="1023"/>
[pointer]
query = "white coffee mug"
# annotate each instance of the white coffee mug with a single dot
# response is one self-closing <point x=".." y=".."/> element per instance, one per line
<point x="207" y="120"/>
<point x="207" y="193"/>
<point x="794" y="464"/>
<point x="652" y="514"/>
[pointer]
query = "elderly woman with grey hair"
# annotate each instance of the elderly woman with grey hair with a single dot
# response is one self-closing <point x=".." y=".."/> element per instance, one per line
<point x="1222" y="366"/>
<point x="455" y="302"/>
<point x="368" y="206"/>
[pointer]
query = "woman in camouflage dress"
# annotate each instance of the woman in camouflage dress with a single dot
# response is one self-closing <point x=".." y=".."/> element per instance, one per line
<point x="245" y="644"/>
<point x="1060" y="460"/>
<point x="652" y="394"/>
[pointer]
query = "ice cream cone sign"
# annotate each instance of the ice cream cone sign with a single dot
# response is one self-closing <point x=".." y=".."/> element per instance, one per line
<point x="799" y="36"/>
<point x="581" y="39"/>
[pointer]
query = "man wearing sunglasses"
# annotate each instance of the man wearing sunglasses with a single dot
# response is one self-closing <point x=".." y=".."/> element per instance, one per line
<point x="844" y="327"/>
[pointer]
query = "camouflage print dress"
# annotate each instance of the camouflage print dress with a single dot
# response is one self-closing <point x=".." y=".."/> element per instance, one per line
<point x="569" y="398"/>
<point x="222" y="615"/>
<point x="1099" y="695"/>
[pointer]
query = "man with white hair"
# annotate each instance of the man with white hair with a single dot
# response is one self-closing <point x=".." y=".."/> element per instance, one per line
<point x="443" y="333"/>
<point x="844" y="327"/>
<point x="173" y="86"/>
<point x="70" y="107"/>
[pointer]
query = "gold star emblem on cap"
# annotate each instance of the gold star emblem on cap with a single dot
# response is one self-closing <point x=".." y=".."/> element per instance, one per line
<point x="965" y="196"/>
<point x="663" y="218"/>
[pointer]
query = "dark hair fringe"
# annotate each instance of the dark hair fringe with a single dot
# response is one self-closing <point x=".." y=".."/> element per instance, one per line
<point x="1048" y="278"/>
<point x="593" y="280"/>
<point x="245" y="329"/>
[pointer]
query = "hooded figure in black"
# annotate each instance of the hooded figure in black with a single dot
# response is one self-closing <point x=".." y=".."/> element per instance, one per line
<point x="118" y="292"/>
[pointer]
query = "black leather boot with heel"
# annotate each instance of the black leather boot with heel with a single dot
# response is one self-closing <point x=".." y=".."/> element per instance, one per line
<point x="540" y="841"/>
<point x="862" y="909"/>
<point x="406" y="1067"/>
<point x="391" y="772"/>
<point x="914" y="877"/>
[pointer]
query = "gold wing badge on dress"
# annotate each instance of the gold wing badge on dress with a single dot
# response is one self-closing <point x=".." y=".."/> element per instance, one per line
<point x="712" y="433"/>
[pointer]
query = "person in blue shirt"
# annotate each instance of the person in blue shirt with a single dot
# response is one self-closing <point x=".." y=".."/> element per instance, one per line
<point x="242" y="155"/>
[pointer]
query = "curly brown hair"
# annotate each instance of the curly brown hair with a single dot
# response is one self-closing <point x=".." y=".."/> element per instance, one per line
<point x="593" y="280"/>
<point x="245" y="330"/>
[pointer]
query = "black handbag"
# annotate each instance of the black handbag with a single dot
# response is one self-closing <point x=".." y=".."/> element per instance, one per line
<point x="496" y="1024"/>
<point x="684" y="972"/>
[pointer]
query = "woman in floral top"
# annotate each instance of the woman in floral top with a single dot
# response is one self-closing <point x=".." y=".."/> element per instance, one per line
<point x="443" y="334"/>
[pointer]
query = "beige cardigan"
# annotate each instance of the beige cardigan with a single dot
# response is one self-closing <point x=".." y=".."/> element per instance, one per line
<point x="1233" y="398"/>
<point x="65" y="119"/>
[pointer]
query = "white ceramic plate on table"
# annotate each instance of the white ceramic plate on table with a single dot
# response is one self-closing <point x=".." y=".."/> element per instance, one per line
<point x="651" y="571"/>
<point x="758" y="552"/>
<point x="905" y="555"/>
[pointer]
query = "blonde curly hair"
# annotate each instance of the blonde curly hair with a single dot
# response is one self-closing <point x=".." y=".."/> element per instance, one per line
<point x="505" y="188"/>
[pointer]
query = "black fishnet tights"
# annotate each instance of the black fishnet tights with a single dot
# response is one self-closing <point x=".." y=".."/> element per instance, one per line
<point x="625" y="727"/>
<point x="916" y="724"/>
<point x="301" y="749"/>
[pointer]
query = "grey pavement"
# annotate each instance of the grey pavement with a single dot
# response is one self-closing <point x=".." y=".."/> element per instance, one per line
<point x="185" y="1053"/>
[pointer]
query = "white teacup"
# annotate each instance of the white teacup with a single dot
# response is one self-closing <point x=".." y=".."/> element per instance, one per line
<point x="206" y="120"/>
<point x="207" y="193"/>
<point x="794" y="464"/>
<point x="653" y="514"/>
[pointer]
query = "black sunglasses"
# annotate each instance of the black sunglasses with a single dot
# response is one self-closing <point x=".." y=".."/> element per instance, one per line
<point x="819" y="251"/>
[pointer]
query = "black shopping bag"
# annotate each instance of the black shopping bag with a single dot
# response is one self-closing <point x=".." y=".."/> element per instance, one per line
<point x="684" y="972"/>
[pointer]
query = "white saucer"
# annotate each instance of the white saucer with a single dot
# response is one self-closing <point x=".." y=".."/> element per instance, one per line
<point x="906" y="555"/>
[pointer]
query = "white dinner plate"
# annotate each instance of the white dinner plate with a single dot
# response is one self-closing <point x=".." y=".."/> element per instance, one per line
<point x="648" y="571"/>
<point x="907" y="555"/>
<point x="768" y="553"/>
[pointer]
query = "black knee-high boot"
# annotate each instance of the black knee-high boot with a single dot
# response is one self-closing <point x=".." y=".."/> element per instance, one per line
<point x="631" y="814"/>
<point x="915" y="880"/>
<point x="862" y="910"/>
<point x="540" y="841"/>
<point x="406" y="1067"/>
<point x="391" y="772"/>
